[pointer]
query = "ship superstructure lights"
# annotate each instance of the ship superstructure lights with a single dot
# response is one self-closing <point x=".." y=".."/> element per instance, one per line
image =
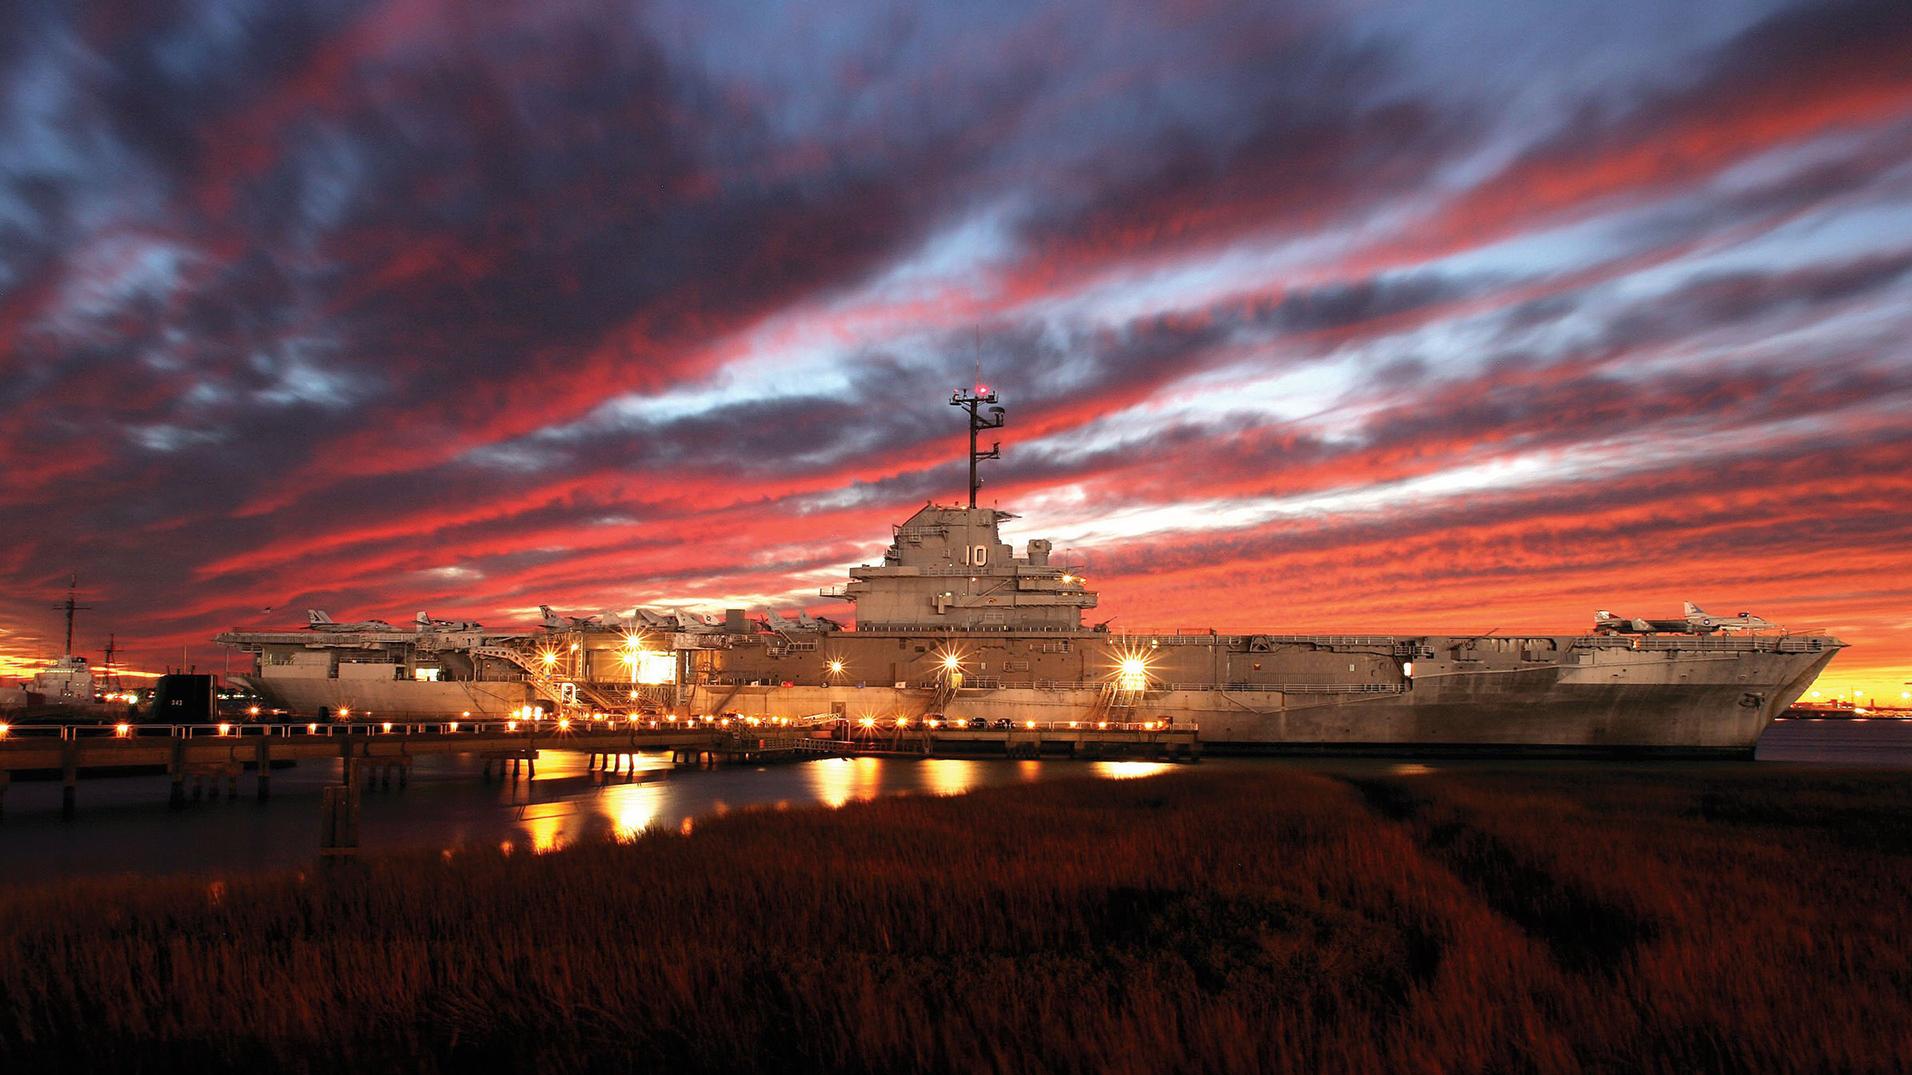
<point x="868" y="722"/>
<point x="345" y="712"/>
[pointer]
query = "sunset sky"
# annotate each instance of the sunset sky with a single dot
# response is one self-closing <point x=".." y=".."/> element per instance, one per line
<point x="1309" y="317"/>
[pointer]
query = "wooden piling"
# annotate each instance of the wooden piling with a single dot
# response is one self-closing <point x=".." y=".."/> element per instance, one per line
<point x="338" y="821"/>
<point x="6" y="778"/>
<point x="262" y="769"/>
<point x="176" y="768"/>
<point x="69" y="779"/>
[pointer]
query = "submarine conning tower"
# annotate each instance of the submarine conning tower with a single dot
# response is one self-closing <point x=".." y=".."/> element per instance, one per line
<point x="948" y="568"/>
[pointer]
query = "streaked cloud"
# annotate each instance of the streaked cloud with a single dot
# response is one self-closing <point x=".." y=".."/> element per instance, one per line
<point x="1307" y="314"/>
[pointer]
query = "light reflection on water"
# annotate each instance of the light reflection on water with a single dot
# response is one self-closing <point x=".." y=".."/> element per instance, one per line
<point x="1129" y="770"/>
<point x="632" y="807"/>
<point x="126" y="827"/>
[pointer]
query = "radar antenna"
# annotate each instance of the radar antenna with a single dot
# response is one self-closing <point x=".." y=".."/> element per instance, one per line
<point x="969" y="400"/>
<point x="110" y="678"/>
<point x="70" y="606"/>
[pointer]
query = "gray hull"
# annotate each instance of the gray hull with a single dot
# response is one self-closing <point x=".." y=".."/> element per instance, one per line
<point x="1555" y="694"/>
<point x="398" y="699"/>
<point x="1700" y="705"/>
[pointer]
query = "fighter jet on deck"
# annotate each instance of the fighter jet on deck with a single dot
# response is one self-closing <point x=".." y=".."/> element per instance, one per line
<point x="1697" y="622"/>
<point x="320" y="620"/>
<point x="553" y="621"/>
<point x="426" y="623"/>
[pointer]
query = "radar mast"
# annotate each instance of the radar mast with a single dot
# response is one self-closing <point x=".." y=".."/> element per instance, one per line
<point x="70" y="606"/>
<point x="970" y="400"/>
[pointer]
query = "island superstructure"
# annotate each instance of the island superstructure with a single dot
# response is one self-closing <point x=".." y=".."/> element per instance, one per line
<point x="953" y="624"/>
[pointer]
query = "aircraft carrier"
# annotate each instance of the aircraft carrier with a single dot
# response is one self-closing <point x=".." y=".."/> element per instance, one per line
<point x="952" y="624"/>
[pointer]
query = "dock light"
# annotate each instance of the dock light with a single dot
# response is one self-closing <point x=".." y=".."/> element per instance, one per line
<point x="868" y="722"/>
<point x="549" y="657"/>
<point x="311" y="729"/>
<point x="122" y="729"/>
<point x="225" y="729"/>
<point x="836" y="666"/>
<point x="959" y="723"/>
<point x="466" y="714"/>
<point x="4" y="729"/>
<point x="902" y="722"/>
<point x="1072" y="724"/>
<point x="387" y="726"/>
<point x="1102" y="725"/>
<point x="511" y="725"/>
<point x="564" y="724"/>
<point x="454" y="725"/>
<point x="1030" y="724"/>
<point x="934" y="723"/>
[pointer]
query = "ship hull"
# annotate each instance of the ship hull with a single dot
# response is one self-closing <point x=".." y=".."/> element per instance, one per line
<point x="1699" y="706"/>
<point x="1395" y="694"/>
<point x="397" y="699"/>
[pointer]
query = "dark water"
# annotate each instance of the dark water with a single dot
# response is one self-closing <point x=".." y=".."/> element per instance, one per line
<point x="125" y="826"/>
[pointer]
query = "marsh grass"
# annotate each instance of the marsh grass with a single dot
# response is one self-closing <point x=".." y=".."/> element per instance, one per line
<point x="1590" y="918"/>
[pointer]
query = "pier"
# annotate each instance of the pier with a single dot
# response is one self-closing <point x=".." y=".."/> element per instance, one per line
<point x="206" y="760"/>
